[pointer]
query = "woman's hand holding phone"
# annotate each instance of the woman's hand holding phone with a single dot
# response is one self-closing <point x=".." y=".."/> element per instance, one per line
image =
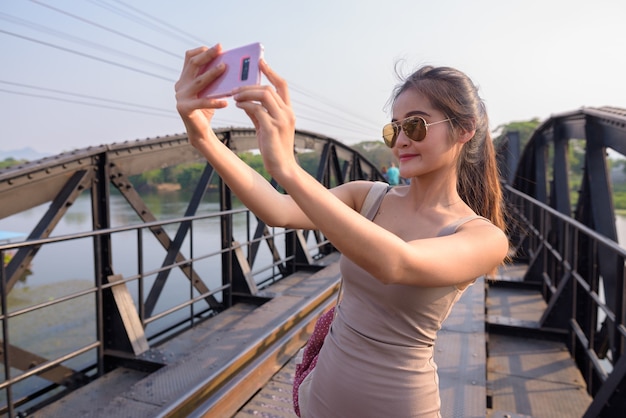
<point x="269" y="107"/>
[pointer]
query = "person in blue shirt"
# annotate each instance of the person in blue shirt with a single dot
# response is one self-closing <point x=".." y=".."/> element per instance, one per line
<point x="393" y="175"/>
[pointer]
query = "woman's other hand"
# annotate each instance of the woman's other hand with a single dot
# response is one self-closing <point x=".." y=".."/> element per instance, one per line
<point x="269" y="108"/>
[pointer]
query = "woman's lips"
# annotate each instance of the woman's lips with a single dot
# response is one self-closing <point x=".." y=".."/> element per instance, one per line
<point x="405" y="157"/>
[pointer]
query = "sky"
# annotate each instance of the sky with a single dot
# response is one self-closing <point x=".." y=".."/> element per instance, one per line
<point x="76" y="74"/>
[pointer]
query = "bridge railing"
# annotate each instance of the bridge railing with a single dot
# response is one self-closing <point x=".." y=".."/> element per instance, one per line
<point x="570" y="263"/>
<point x="97" y="324"/>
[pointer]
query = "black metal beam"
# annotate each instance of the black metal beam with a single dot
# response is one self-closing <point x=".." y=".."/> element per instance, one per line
<point x="560" y="167"/>
<point x="174" y="254"/>
<point x="75" y="185"/>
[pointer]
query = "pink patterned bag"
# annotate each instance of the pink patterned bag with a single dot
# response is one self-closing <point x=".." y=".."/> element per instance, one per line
<point x="310" y="353"/>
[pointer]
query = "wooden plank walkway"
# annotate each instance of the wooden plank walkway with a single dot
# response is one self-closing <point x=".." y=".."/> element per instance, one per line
<point x="241" y="362"/>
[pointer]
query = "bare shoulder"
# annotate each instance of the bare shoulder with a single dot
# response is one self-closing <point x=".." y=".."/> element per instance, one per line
<point x="483" y="231"/>
<point x="353" y="193"/>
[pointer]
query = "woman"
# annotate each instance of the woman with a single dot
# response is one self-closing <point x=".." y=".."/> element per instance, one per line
<point x="431" y="238"/>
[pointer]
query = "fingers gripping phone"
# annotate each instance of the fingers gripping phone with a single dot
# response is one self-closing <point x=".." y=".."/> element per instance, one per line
<point x="242" y="69"/>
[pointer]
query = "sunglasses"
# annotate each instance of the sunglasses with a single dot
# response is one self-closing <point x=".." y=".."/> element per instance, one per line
<point x="414" y="127"/>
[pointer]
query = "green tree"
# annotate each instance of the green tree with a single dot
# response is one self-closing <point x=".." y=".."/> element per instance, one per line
<point x="309" y="161"/>
<point x="189" y="175"/>
<point x="376" y="152"/>
<point x="524" y="128"/>
<point x="256" y="162"/>
<point x="10" y="162"/>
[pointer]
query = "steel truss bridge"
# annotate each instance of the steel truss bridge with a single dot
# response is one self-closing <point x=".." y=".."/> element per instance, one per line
<point x="122" y="316"/>
<point x="567" y="239"/>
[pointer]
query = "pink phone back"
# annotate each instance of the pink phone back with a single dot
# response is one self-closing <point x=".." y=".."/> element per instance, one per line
<point x="242" y="69"/>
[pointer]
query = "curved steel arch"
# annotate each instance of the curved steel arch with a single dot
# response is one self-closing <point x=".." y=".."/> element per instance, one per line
<point x="62" y="178"/>
<point x="548" y="181"/>
<point x="338" y="162"/>
<point x="543" y="174"/>
<point x="31" y="184"/>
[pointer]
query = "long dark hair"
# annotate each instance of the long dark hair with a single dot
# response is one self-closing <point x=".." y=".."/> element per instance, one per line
<point x="453" y="93"/>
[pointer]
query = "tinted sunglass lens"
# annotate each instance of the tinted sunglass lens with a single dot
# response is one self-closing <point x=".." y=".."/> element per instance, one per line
<point x="389" y="134"/>
<point x="414" y="128"/>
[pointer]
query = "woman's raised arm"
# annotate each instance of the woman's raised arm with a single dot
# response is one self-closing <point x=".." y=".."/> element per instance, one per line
<point x="255" y="192"/>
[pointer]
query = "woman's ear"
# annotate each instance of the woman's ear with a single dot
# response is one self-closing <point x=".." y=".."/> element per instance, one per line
<point x="466" y="136"/>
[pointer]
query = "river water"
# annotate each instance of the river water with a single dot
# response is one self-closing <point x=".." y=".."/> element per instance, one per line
<point x="73" y="260"/>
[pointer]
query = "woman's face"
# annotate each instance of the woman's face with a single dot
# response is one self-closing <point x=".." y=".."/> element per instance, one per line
<point x="436" y="151"/>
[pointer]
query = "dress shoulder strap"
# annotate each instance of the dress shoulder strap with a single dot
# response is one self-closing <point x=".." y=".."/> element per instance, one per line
<point x="373" y="199"/>
<point x="451" y="228"/>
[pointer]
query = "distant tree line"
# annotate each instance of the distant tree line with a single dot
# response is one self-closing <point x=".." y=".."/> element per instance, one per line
<point x="188" y="174"/>
<point x="10" y="162"/>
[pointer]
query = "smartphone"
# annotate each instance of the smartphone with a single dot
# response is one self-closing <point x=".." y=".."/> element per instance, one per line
<point x="242" y="69"/>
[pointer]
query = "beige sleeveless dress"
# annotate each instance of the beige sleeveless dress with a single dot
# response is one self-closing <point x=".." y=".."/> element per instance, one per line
<point x="377" y="360"/>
